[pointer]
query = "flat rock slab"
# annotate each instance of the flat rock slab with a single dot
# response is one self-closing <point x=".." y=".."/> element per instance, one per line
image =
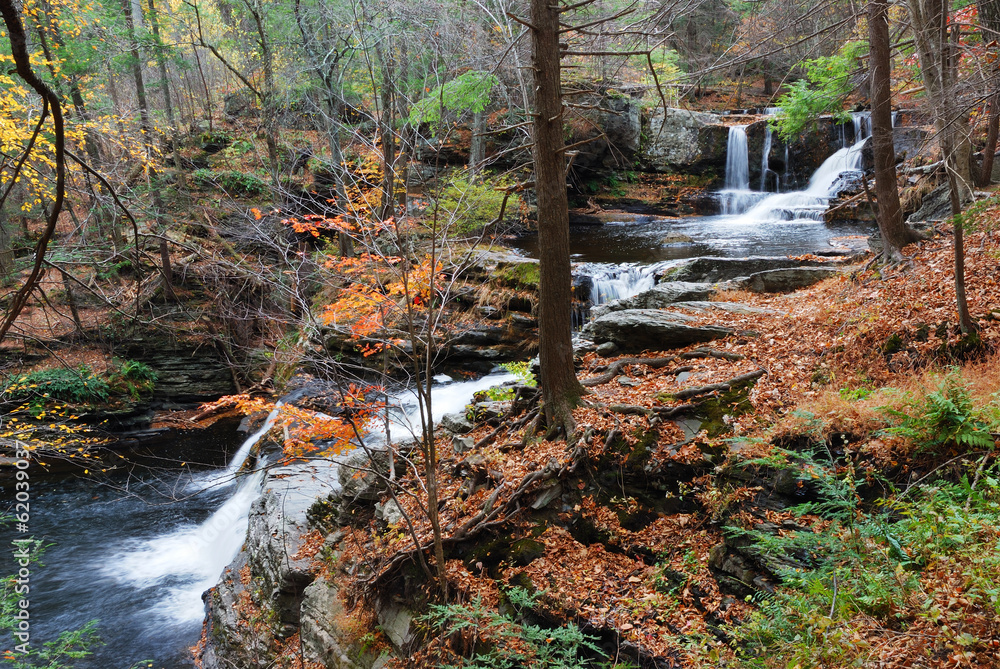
<point x="659" y="296"/>
<point x="789" y="279"/>
<point x="728" y="307"/>
<point x="641" y="329"/>
<point x="711" y="269"/>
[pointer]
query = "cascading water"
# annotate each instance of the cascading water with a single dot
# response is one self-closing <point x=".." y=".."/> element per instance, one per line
<point x="188" y="560"/>
<point x="613" y="282"/>
<point x="229" y="475"/>
<point x="736" y="196"/>
<point x="862" y="125"/>
<point x="765" y="154"/>
<point x="811" y="203"/>
<point x="137" y="555"/>
<point x="737" y="159"/>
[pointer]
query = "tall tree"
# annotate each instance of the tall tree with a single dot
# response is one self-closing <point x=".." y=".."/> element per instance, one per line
<point x="561" y="391"/>
<point x="937" y="41"/>
<point x="894" y="232"/>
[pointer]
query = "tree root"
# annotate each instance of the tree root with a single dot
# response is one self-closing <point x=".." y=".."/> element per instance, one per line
<point x="688" y="393"/>
<point x="490" y="515"/>
<point x="656" y="363"/>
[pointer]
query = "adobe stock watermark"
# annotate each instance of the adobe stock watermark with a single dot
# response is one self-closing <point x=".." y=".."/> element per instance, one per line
<point x="23" y="552"/>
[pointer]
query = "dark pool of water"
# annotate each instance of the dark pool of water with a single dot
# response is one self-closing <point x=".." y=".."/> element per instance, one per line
<point x="90" y="522"/>
<point x="642" y="242"/>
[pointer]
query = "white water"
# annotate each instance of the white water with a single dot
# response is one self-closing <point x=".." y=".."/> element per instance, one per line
<point x="765" y="154"/>
<point x="228" y="475"/>
<point x="743" y="207"/>
<point x="810" y="204"/>
<point x="188" y="560"/>
<point x="736" y="196"/>
<point x="614" y="282"/>
<point x="404" y="415"/>
<point x="176" y="567"/>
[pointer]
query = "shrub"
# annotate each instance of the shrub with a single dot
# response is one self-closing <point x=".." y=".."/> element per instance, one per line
<point x="79" y="385"/>
<point x="502" y="641"/>
<point x="133" y="378"/>
<point x="231" y="181"/>
<point x="470" y="205"/>
<point x="947" y="417"/>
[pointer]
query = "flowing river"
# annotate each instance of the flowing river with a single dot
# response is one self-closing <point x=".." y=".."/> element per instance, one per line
<point x="137" y="548"/>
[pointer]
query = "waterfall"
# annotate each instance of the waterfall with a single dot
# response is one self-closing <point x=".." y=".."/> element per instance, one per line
<point x="766" y="153"/>
<point x="187" y="561"/>
<point x="737" y="159"/>
<point x="862" y="125"/>
<point x="613" y="282"/>
<point x="810" y="204"/>
<point x="228" y="475"/>
<point x="177" y="566"/>
<point x="736" y="197"/>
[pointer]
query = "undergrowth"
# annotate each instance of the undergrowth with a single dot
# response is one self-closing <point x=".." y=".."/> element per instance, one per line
<point x="920" y="565"/>
<point x="475" y="637"/>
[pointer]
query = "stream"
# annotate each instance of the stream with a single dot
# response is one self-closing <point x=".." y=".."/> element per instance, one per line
<point x="136" y="549"/>
<point x="624" y="257"/>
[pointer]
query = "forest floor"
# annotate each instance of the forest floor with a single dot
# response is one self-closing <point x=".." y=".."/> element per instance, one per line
<point x="890" y="565"/>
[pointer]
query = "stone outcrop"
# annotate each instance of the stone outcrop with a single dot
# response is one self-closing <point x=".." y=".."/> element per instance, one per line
<point x="272" y="591"/>
<point x="710" y="269"/>
<point x="661" y="295"/>
<point x="789" y="279"/>
<point x="678" y="140"/>
<point x="642" y="329"/>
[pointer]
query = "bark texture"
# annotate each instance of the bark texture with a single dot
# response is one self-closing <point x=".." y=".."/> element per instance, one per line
<point x="561" y="390"/>
<point x="895" y="233"/>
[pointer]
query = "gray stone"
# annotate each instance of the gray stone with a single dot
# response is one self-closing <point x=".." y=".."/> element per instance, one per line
<point x="792" y="278"/>
<point x="456" y="423"/>
<point x="607" y="349"/>
<point x="322" y="638"/>
<point x="546" y="497"/>
<point x="640" y="329"/>
<point x="935" y="206"/>
<point x="389" y="512"/>
<point x="362" y="475"/>
<point x="396" y="623"/>
<point x="462" y="444"/>
<point x="712" y="269"/>
<point x="487" y="411"/>
<point x="659" y="296"/>
<point x="701" y="306"/>
<point x="682" y="139"/>
<point x="676" y="238"/>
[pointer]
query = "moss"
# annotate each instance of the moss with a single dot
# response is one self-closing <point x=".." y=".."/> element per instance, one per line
<point x="642" y="451"/>
<point x="525" y="551"/>
<point x="732" y="403"/>
<point x="893" y="344"/>
<point x="520" y="275"/>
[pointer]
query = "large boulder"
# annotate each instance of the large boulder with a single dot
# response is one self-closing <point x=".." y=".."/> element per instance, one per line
<point x="678" y="140"/>
<point x="788" y="279"/>
<point x="641" y="329"/>
<point x="659" y="296"/>
<point x="710" y="269"/>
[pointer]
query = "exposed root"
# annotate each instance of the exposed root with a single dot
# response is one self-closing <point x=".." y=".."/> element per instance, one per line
<point x="688" y="393"/>
<point x="656" y="363"/>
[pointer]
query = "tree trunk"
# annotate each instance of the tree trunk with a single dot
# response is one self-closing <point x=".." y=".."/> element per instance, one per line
<point x="561" y="390"/>
<point x="477" y="147"/>
<point x="894" y="232"/>
<point x="162" y="64"/>
<point x="386" y="138"/>
<point x="989" y="151"/>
